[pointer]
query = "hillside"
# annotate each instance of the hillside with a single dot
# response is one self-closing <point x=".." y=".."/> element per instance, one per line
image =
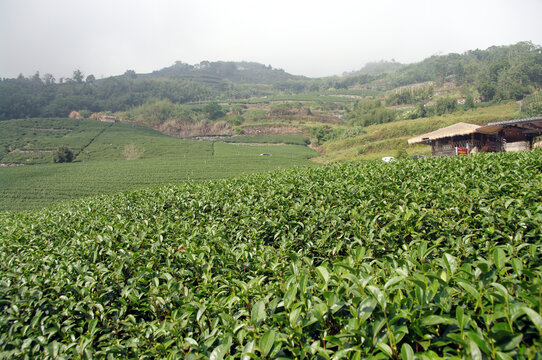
<point x="114" y="157"/>
<point x="237" y="72"/>
<point x="414" y="259"/>
<point x="347" y="117"/>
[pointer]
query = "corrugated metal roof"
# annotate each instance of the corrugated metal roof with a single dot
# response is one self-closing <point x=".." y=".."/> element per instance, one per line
<point x="458" y="129"/>
<point x="533" y="124"/>
<point x="516" y="121"/>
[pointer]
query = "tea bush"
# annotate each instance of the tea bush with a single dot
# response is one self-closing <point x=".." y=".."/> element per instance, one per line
<point x="423" y="259"/>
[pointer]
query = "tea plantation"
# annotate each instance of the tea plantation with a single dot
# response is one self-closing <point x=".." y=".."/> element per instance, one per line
<point x="103" y="164"/>
<point x="408" y="260"/>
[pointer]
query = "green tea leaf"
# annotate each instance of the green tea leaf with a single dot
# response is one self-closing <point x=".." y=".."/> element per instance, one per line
<point x="366" y="308"/>
<point x="499" y="258"/>
<point x="378" y="295"/>
<point x="406" y="352"/>
<point x="220" y="351"/>
<point x="480" y="342"/>
<point x="534" y="316"/>
<point x="290" y="295"/>
<point x="323" y="273"/>
<point x="248" y="349"/>
<point x="267" y="341"/>
<point x="474" y="350"/>
<point x="450" y="262"/>
<point x="258" y="312"/>
<point x="436" y="320"/>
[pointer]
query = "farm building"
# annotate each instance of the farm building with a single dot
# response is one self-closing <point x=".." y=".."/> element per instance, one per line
<point x="460" y="138"/>
<point x="463" y="138"/>
<point x="517" y="134"/>
<point x="108" y="118"/>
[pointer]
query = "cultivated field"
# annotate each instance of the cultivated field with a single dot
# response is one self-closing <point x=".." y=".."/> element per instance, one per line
<point x="118" y="157"/>
<point x="412" y="260"/>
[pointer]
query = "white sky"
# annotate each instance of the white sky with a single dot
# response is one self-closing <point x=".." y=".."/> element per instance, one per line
<point x="303" y="37"/>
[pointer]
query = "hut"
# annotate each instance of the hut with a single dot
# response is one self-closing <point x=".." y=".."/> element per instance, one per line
<point x="458" y="139"/>
<point x="108" y="118"/>
<point x="519" y="134"/>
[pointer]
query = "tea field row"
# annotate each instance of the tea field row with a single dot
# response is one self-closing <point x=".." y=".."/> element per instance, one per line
<point x="408" y="260"/>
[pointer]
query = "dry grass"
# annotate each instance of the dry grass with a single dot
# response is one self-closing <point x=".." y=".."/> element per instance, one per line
<point x="132" y="152"/>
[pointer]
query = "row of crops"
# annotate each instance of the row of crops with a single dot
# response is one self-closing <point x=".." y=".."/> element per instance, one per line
<point x="408" y="260"/>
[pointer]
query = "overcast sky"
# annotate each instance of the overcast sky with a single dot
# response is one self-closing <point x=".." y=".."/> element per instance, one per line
<point x="303" y="37"/>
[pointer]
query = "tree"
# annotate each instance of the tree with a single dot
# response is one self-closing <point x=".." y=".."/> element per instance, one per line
<point x="130" y="74"/>
<point x="63" y="154"/>
<point x="77" y="76"/>
<point x="446" y="105"/>
<point x="214" y="111"/>
<point x="460" y="74"/>
<point x="90" y="79"/>
<point x="49" y="79"/>
<point x="422" y="112"/>
<point x="36" y="76"/>
<point x="488" y="90"/>
<point x="469" y="102"/>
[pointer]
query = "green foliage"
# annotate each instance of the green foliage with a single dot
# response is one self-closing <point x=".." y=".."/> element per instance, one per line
<point x="446" y="105"/>
<point x="410" y="95"/>
<point x="368" y="112"/>
<point x="20" y="98"/>
<point x="417" y="259"/>
<point x="488" y="90"/>
<point x="321" y="133"/>
<point x="285" y="108"/>
<point x="503" y="70"/>
<point x="401" y="154"/>
<point x="214" y="111"/>
<point x="85" y="113"/>
<point x="532" y="105"/>
<point x="63" y="154"/>
<point x="469" y="102"/>
<point x="499" y="73"/>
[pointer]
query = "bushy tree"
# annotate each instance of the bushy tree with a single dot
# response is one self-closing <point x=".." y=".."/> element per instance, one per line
<point x="63" y="154"/>
<point x="469" y="102"/>
<point x="78" y="76"/>
<point x="446" y="105"/>
<point x="214" y="111"/>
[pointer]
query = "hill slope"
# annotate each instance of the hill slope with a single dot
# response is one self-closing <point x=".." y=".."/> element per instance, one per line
<point x="237" y="72"/>
<point x="118" y="157"/>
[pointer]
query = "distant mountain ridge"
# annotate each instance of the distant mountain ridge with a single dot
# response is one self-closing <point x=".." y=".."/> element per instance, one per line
<point x="510" y="72"/>
<point x="238" y="72"/>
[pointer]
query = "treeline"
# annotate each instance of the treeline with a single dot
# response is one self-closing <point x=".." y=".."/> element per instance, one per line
<point x="43" y="97"/>
<point x="370" y="112"/>
<point x="497" y="73"/>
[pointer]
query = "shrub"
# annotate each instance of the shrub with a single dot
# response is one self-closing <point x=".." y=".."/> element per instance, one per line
<point x="62" y="154"/>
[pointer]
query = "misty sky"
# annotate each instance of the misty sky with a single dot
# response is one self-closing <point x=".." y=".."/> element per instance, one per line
<point x="312" y="38"/>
